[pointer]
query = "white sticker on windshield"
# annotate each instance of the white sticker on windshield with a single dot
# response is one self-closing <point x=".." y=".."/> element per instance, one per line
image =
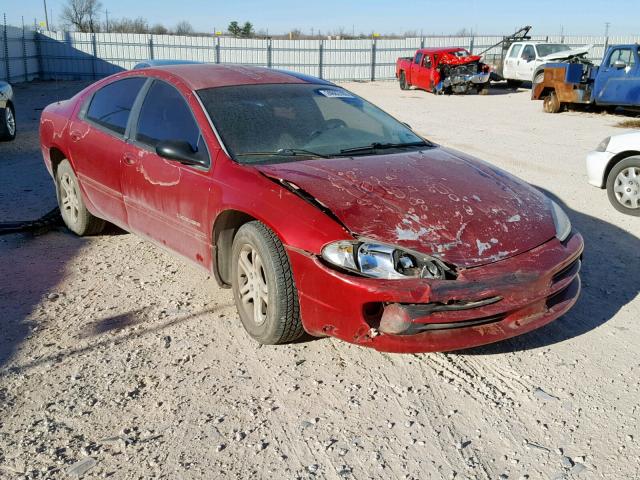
<point x="336" y="93"/>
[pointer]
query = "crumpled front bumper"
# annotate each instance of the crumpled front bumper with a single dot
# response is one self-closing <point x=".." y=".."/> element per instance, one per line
<point x="534" y="288"/>
<point x="477" y="78"/>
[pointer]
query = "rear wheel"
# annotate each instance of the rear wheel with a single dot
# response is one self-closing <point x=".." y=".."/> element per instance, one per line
<point x="263" y="287"/>
<point x="623" y="186"/>
<point x="72" y="208"/>
<point x="403" y="82"/>
<point x="551" y="103"/>
<point x="539" y="77"/>
<point x="7" y="122"/>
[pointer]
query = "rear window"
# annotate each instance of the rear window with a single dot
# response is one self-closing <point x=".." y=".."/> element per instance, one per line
<point x="111" y="105"/>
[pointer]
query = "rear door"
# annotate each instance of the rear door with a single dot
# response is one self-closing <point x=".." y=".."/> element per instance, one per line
<point x="618" y="79"/>
<point x="97" y="139"/>
<point x="509" y="71"/>
<point x="165" y="200"/>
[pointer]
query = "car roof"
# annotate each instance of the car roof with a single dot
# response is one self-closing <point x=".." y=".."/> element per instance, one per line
<point x="158" y="63"/>
<point x="200" y="76"/>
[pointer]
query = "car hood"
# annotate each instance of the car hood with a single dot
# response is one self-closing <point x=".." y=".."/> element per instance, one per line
<point x="438" y="201"/>
<point x="569" y="52"/>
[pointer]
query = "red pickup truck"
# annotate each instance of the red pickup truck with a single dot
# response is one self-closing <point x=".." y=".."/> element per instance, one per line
<point x="443" y="70"/>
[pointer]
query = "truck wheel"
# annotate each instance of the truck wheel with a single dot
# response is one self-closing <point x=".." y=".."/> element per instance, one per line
<point x="539" y="77"/>
<point x="515" y="84"/>
<point x="623" y="186"/>
<point x="403" y="82"/>
<point x="551" y="103"/>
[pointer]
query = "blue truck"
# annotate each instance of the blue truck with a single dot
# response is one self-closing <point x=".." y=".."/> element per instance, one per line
<point x="615" y="83"/>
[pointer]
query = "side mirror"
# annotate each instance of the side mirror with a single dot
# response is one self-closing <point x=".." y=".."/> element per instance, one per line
<point x="178" y="151"/>
<point x="619" y="64"/>
<point x="531" y="58"/>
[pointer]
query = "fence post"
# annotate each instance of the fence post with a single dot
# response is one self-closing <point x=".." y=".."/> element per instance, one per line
<point x="320" y="58"/>
<point x="95" y="55"/>
<point x="24" y="54"/>
<point x="151" y="56"/>
<point x="217" y="49"/>
<point x="6" y="47"/>
<point x="269" y="53"/>
<point x="421" y="43"/>
<point x="373" y="60"/>
<point x="471" y="42"/>
<point x="36" y="41"/>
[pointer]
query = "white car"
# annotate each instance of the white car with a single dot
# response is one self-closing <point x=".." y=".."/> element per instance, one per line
<point x="523" y="59"/>
<point x="7" y="112"/>
<point x="615" y="165"/>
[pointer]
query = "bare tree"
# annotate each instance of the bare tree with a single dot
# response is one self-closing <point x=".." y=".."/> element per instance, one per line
<point x="183" y="28"/>
<point x="159" y="29"/>
<point x="128" y="25"/>
<point x="82" y="15"/>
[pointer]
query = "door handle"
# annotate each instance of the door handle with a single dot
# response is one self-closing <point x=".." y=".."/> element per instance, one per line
<point x="75" y="135"/>
<point x="129" y="159"/>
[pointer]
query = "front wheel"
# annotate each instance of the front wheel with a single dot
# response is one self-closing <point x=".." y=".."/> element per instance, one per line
<point x="72" y="208"/>
<point x="263" y="287"/>
<point x="623" y="186"/>
<point x="7" y="122"/>
<point x="551" y="103"/>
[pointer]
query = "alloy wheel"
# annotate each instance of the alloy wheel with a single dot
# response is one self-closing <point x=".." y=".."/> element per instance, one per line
<point x="627" y="187"/>
<point x="69" y="198"/>
<point x="10" y="121"/>
<point x="254" y="291"/>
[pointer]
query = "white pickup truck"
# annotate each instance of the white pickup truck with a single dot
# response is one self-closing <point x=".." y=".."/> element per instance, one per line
<point x="523" y="58"/>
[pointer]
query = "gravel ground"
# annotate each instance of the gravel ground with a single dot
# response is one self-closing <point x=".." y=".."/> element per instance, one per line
<point x="121" y="360"/>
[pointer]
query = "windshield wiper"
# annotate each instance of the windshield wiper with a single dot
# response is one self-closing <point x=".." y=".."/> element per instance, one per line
<point x="284" y="152"/>
<point x="384" y="146"/>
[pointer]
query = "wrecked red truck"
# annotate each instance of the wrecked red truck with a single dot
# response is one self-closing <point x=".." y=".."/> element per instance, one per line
<point x="443" y="71"/>
<point x="320" y="211"/>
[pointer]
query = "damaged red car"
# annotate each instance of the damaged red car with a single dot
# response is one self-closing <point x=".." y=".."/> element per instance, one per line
<point x="444" y="71"/>
<point x="321" y="212"/>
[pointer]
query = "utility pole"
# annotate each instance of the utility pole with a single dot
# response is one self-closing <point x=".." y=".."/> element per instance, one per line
<point x="106" y="14"/>
<point x="46" y="15"/>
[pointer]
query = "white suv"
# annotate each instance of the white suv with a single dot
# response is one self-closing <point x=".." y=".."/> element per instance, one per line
<point x="615" y="165"/>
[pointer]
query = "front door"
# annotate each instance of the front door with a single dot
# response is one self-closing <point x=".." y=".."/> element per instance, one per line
<point x="165" y="200"/>
<point x="526" y="63"/>
<point x="425" y="74"/>
<point x="618" y="80"/>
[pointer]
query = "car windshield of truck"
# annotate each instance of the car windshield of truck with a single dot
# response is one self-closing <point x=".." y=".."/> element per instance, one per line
<point x="271" y="123"/>
<point x="551" y="48"/>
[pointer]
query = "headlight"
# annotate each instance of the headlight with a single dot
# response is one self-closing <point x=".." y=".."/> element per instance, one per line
<point x="602" y="146"/>
<point x="562" y="222"/>
<point x="378" y="260"/>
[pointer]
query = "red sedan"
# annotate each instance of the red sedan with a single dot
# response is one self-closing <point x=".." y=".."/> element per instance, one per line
<point x="321" y="212"/>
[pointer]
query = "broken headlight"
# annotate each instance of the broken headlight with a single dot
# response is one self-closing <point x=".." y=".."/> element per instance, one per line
<point x="379" y="260"/>
<point x="561" y="221"/>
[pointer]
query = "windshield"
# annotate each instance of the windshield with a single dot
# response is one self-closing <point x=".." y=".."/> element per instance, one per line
<point x="270" y="123"/>
<point x="549" y="48"/>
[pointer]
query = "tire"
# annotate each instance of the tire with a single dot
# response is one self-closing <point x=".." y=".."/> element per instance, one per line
<point x="7" y="123"/>
<point x="72" y="208"/>
<point x="403" y="82"/>
<point x="270" y="312"/>
<point x="551" y="103"/>
<point x="623" y="186"/>
<point x="538" y="78"/>
<point x="515" y="84"/>
<point x="483" y="89"/>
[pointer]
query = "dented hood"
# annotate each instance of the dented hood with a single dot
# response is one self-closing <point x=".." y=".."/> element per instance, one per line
<point x="437" y="201"/>
<point x="569" y="52"/>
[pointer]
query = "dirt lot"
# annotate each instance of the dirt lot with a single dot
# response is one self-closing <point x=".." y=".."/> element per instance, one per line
<point x="115" y="350"/>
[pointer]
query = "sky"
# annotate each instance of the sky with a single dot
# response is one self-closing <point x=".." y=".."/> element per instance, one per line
<point x="571" y="17"/>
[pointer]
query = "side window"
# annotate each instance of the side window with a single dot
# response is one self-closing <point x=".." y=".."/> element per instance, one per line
<point x="528" y="52"/>
<point x="165" y="115"/>
<point x="515" y="50"/>
<point x="111" y="105"/>
<point x="427" y="61"/>
<point x="418" y="58"/>
<point x="624" y="54"/>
